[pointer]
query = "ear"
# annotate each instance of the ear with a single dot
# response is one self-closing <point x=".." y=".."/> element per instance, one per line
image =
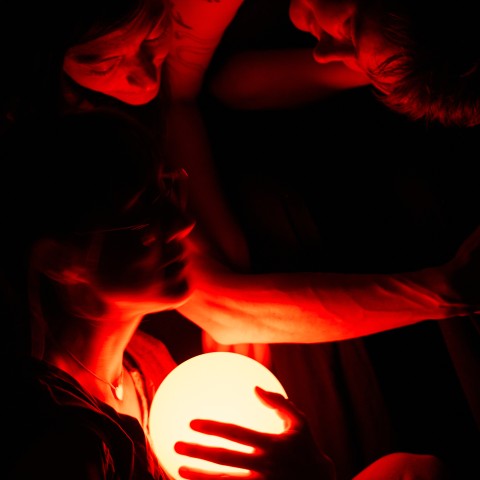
<point x="58" y="261"/>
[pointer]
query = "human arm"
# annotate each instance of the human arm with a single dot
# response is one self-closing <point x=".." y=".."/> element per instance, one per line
<point x="217" y="231"/>
<point x="311" y="307"/>
<point x="280" y="78"/>
<point x="198" y="28"/>
<point x="291" y="454"/>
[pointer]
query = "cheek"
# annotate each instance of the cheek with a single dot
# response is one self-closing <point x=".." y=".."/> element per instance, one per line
<point x="353" y="64"/>
<point x="125" y="260"/>
<point x="88" y="80"/>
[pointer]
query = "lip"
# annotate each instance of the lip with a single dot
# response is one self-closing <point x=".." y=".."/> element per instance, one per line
<point x="313" y="27"/>
<point x="175" y="269"/>
<point x="142" y="97"/>
<point x="175" y="254"/>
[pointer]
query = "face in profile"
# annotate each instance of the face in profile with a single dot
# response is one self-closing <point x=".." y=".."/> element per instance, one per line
<point x="125" y="63"/>
<point x="112" y="215"/>
<point x="344" y="32"/>
<point x="139" y="256"/>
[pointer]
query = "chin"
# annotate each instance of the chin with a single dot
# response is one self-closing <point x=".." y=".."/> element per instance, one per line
<point x="136" y="99"/>
<point x="177" y="292"/>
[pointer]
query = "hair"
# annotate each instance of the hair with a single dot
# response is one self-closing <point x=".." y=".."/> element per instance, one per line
<point x="436" y="72"/>
<point x="59" y="177"/>
<point x="32" y="80"/>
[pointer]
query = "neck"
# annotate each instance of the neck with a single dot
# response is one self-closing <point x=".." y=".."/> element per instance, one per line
<point x="96" y="346"/>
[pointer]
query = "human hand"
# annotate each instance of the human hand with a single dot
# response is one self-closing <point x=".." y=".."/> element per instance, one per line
<point x="291" y="454"/>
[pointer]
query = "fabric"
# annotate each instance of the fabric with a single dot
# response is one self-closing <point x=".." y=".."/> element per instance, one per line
<point x="60" y="429"/>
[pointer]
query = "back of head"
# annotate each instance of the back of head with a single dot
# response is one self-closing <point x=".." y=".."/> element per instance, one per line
<point x="438" y="62"/>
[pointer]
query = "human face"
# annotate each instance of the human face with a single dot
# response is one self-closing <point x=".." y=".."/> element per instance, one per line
<point x="138" y="261"/>
<point x="344" y="33"/>
<point x="125" y="63"/>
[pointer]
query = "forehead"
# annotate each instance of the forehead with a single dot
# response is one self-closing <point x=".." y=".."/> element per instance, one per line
<point x="371" y="45"/>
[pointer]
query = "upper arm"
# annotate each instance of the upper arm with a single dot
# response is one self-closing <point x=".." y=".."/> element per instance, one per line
<point x="198" y="28"/>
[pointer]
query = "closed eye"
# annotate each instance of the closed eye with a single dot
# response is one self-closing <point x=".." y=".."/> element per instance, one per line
<point x="101" y="66"/>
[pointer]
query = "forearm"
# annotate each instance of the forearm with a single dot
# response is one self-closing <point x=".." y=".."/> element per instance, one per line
<point x="198" y="28"/>
<point x="188" y="146"/>
<point x="280" y="79"/>
<point x="317" y="307"/>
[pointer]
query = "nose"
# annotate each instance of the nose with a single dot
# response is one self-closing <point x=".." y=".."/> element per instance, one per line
<point x="329" y="49"/>
<point x="179" y="227"/>
<point x="143" y="72"/>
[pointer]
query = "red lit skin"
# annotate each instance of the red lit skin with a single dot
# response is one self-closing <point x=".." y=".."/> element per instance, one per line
<point x="322" y="307"/>
<point x="199" y="26"/>
<point x="128" y="65"/>
<point x="335" y="26"/>
<point x="149" y="276"/>
<point x="276" y="456"/>
<point x="125" y="64"/>
<point x="292" y="454"/>
<point x="263" y="79"/>
<point x="151" y="280"/>
<point x="347" y="49"/>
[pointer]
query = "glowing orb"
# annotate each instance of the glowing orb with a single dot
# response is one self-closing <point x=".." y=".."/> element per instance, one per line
<point x="216" y="386"/>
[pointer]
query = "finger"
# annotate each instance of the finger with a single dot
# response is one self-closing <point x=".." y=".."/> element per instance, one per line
<point x="195" y="474"/>
<point x="232" y="432"/>
<point x="292" y="416"/>
<point x="220" y="456"/>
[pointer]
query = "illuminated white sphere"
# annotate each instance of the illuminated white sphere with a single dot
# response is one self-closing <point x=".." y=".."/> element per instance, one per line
<point x="215" y="386"/>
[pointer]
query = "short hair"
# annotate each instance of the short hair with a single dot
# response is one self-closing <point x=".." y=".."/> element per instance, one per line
<point x="436" y="70"/>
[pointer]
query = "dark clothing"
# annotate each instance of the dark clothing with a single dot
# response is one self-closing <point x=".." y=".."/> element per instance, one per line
<point x="60" y="431"/>
<point x="414" y="389"/>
